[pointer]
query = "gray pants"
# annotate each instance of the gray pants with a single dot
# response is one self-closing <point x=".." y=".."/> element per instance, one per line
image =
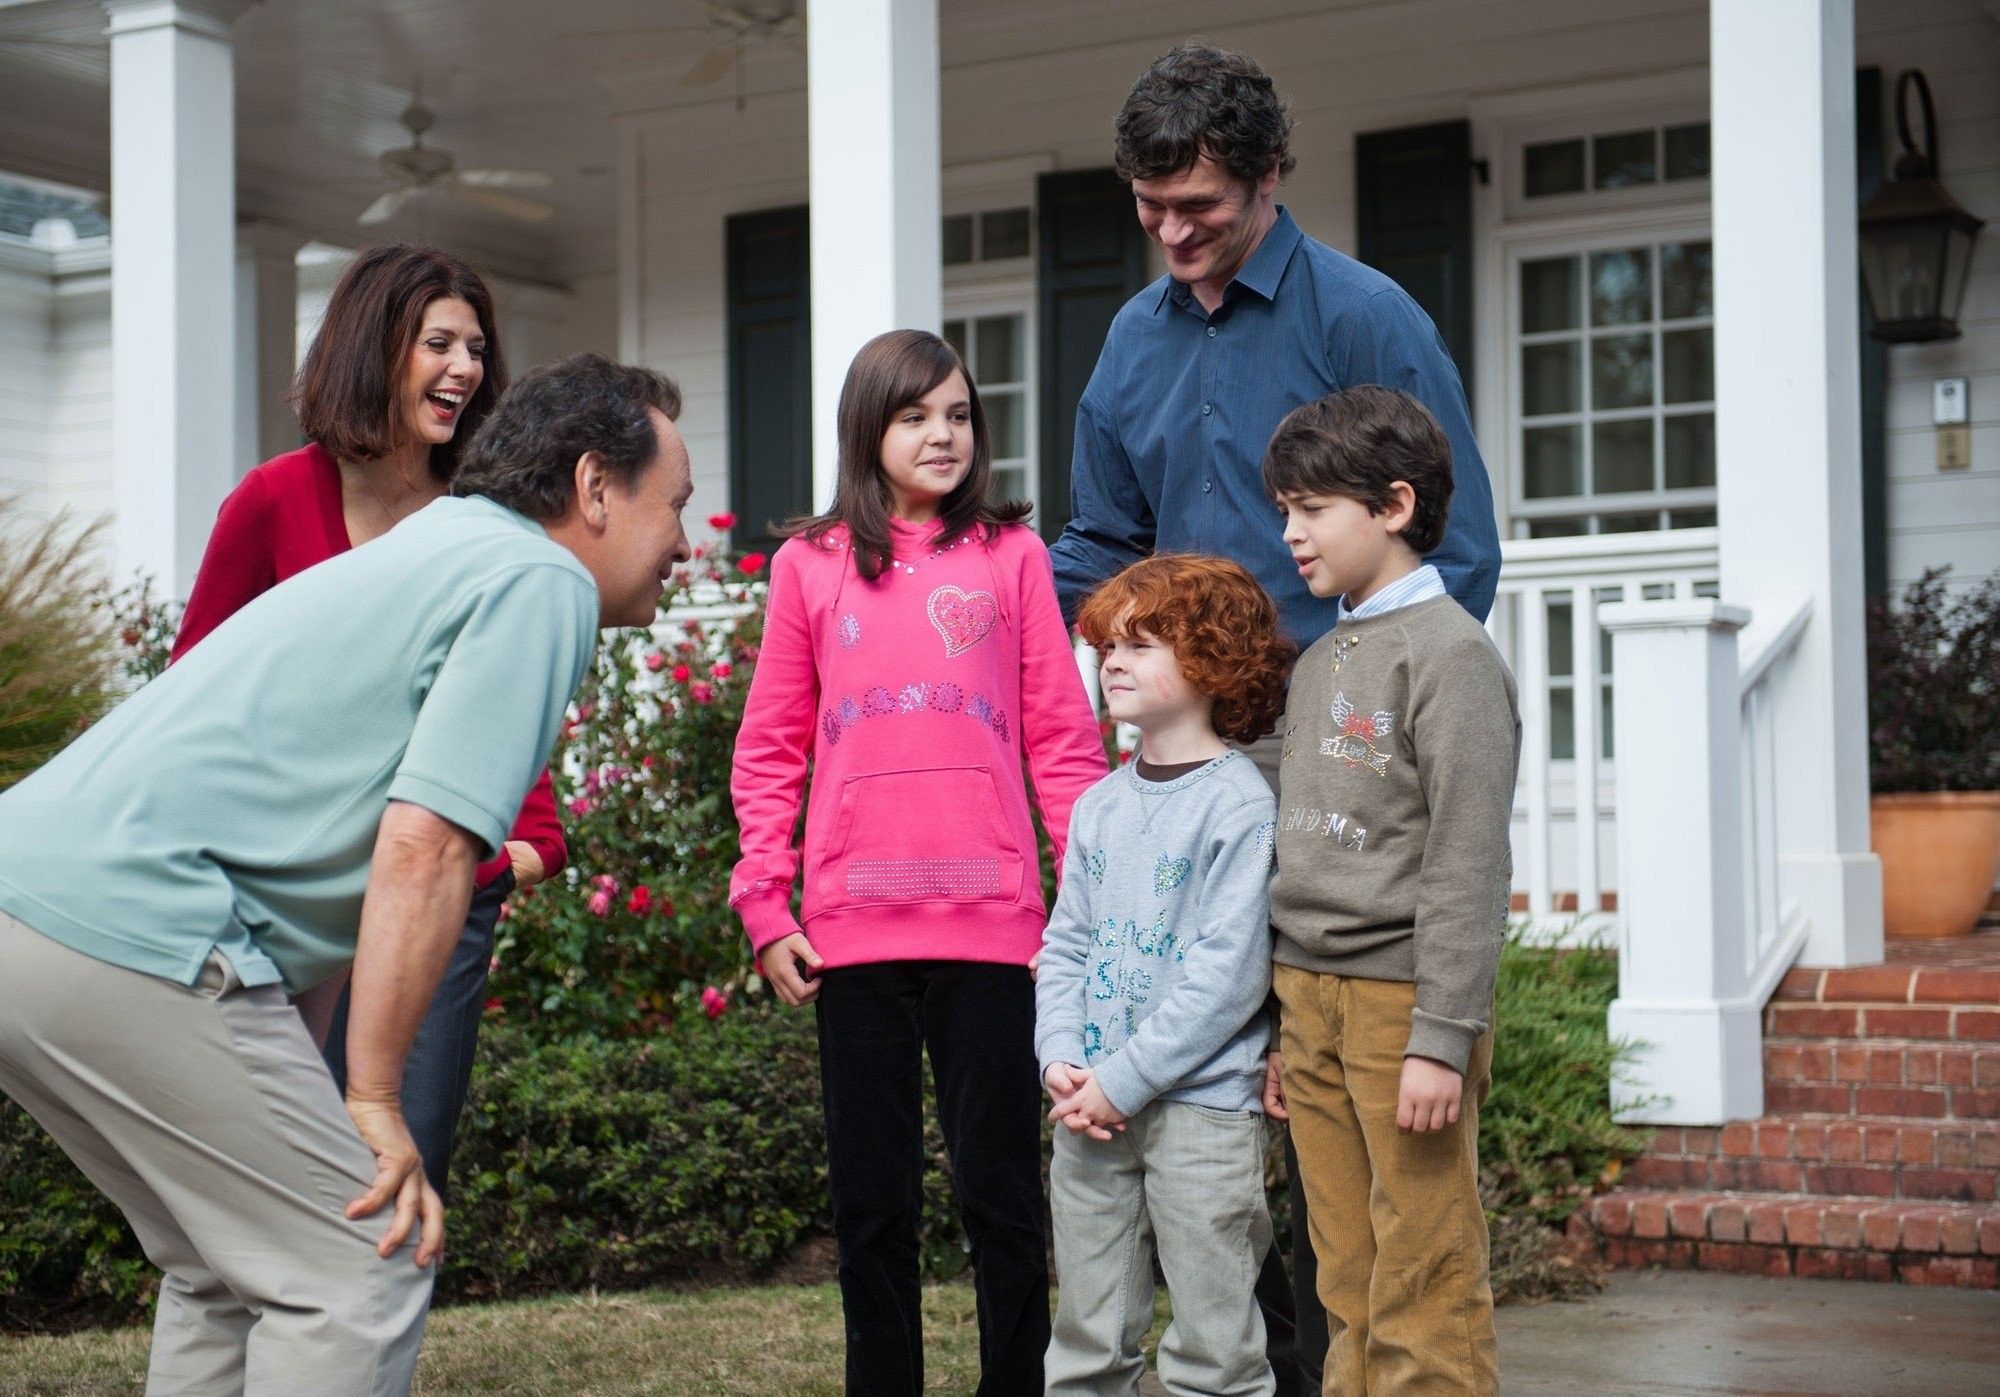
<point x="207" y="1116"/>
<point x="1188" y="1180"/>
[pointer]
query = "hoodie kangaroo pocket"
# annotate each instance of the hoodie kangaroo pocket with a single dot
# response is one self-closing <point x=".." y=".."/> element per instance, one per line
<point x="928" y="835"/>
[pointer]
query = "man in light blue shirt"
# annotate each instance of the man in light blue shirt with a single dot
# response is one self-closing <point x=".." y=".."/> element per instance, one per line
<point x="310" y="787"/>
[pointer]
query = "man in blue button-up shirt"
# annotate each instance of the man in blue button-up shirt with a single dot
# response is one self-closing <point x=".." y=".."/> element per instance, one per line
<point x="1252" y="319"/>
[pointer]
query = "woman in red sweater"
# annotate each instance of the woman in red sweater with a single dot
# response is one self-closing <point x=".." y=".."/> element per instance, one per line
<point x="405" y="366"/>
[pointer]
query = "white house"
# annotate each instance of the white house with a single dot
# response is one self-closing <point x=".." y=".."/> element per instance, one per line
<point x="1634" y="220"/>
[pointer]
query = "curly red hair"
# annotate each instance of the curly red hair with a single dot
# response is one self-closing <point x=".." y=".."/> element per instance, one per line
<point x="1222" y="626"/>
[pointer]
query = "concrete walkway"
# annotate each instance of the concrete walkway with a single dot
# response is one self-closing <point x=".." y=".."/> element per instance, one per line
<point x="1700" y="1332"/>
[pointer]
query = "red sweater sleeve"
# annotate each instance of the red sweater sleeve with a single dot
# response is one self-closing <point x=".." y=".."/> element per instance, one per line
<point x="537" y="826"/>
<point x="236" y="567"/>
<point x="773" y="746"/>
<point x="1065" y="749"/>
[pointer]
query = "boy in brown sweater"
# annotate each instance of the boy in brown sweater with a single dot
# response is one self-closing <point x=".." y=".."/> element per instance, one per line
<point x="1395" y="791"/>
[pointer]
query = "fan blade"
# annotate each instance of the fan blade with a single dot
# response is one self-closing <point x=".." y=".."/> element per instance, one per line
<point x="513" y="205"/>
<point x="384" y="208"/>
<point x="711" y="66"/>
<point x="507" y="179"/>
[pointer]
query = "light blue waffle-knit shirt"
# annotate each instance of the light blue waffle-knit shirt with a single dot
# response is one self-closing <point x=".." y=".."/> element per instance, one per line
<point x="1157" y="958"/>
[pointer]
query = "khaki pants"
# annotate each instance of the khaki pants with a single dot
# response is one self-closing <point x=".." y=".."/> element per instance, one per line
<point x="207" y="1116"/>
<point x="1396" y="1221"/>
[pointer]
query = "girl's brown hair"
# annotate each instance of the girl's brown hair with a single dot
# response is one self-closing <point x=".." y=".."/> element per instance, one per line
<point x="891" y="372"/>
<point x="348" y="386"/>
<point x="1221" y="626"/>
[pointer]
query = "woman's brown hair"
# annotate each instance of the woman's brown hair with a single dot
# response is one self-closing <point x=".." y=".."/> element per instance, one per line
<point x="349" y="383"/>
<point x="891" y="372"/>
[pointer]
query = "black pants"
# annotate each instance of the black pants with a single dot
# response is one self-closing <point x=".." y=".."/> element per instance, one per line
<point x="1295" y="1338"/>
<point x="978" y="1024"/>
<point x="438" y="1072"/>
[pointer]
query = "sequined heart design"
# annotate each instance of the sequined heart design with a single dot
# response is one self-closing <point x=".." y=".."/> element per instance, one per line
<point x="1169" y="874"/>
<point x="1096" y="863"/>
<point x="962" y="618"/>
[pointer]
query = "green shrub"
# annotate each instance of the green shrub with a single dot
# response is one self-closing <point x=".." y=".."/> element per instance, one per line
<point x="56" y="661"/>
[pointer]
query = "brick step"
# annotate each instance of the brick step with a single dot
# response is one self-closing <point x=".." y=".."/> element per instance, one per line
<point x="1880" y="1062"/>
<point x="1874" y="1157"/>
<point x="1893" y="984"/>
<point x="1793" y="1234"/>
<point x="1948" y="1023"/>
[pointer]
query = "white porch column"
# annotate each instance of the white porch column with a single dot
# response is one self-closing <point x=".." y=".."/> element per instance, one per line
<point x="267" y="328"/>
<point x="872" y="122"/>
<point x="173" y="278"/>
<point x="1788" y="457"/>
<point x="1684" y="952"/>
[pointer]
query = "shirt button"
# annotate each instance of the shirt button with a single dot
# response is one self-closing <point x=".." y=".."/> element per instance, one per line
<point x="1206" y="486"/>
<point x="1207" y="408"/>
<point x="1211" y="332"/>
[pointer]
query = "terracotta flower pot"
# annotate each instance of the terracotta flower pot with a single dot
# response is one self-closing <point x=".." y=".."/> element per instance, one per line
<point x="1939" y="852"/>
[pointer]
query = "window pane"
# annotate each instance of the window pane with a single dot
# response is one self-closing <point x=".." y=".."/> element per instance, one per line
<point x="1549" y="374"/>
<point x="1622" y="457"/>
<point x="1690" y="451"/>
<point x="1559" y="632"/>
<point x="954" y="335"/>
<point x="1688" y="365"/>
<point x="1687" y="151"/>
<point x="1621" y="371"/>
<point x="1548" y="295"/>
<point x="1008" y="483"/>
<point x="1604" y="721"/>
<point x="1003" y="233"/>
<point x="1562" y="724"/>
<point x="1552" y="167"/>
<point x="1621" y="287"/>
<point x="1687" y="280"/>
<point x="997" y="340"/>
<point x="958" y="239"/>
<point x="1692" y="519"/>
<point x="1629" y="523"/>
<point x="1004" y="421"/>
<point x="1554" y="457"/>
<point x="1555" y="528"/>
<point x="1625" y="159"/>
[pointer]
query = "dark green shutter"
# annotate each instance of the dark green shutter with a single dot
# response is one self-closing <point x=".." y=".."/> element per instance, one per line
<point x="770" y="371"/>
<point x="1092" y="260"/>
<point x="1413" y="213"/>
<point x="1868" y="170"/>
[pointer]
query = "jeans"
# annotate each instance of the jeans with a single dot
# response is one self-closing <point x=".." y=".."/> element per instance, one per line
<point x="977" y="1022"/>
<point x="438" y="1072"/>
<point x="1186" y="1181"/>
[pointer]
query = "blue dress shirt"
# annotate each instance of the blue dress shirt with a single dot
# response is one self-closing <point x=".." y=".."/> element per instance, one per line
<point x="1171" y="429"/>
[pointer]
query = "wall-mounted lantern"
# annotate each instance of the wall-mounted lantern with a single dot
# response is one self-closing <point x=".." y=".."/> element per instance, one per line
<point x="1916" y="241"/>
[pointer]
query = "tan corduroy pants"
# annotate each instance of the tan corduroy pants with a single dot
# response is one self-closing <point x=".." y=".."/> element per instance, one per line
<point x="1396" y="1221"/>
<point x="205" y="1114"/>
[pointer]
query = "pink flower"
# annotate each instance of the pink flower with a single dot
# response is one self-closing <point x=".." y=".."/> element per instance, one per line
<point x="722" y="669"/>
<point x="701" y="691"/>
<point x="647" y="761"/>
<point x="724" y="520"/>
<point x="600" y="903"/>
<point x="714" y="1002"/>
<point x="751" y="563"/>
<point x="605" y="883"/>
<point x="582" y="805"/>
<point x="655" y="661"/>
<point x="640" y="902"/>
<point x="682" y="674"/>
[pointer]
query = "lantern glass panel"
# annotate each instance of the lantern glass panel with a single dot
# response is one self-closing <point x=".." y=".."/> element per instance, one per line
<point x="1902" y="265"/>
<point x="1957" y="265"/>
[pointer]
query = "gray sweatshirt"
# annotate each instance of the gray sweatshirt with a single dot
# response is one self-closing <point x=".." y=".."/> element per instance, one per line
<point x="1157" y="958"/>
<point x="1394" y="795"/>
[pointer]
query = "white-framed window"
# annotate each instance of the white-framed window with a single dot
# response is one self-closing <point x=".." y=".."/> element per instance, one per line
<point x="1622" y="160"/>
<point x="988" y="235"/>
<point x="1611" y="382"/>
<point x="993" y="331"/>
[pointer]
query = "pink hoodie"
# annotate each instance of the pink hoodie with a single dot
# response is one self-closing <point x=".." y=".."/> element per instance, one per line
<point x="912" y="697"/>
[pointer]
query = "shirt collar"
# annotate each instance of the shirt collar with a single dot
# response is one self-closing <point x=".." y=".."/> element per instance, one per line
<point x="1261" y="273"/>
<point x="1421" y="585"/>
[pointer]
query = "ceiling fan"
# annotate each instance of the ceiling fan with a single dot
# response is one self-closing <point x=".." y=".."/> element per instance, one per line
<point x="417" y="169"/>
<point x="741" y="24"/>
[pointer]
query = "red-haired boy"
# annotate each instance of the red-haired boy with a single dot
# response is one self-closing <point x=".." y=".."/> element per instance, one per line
<point x="1150" y="1026"/>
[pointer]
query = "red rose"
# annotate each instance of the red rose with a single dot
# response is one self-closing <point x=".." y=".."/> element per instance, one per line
<point x="751" y="563"/>
<point x="655" y="661"/>
<point x="714" y="1002"/>
<point x="640" y="902"/>
<point x="682" y="674"/>
<point x="701" y="691"/>
<point x="722" y="521"/>
<point x="722" y="669"/>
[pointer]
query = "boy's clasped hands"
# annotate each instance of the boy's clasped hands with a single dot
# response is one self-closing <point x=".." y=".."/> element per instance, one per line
<point x="1080" y="1103"/>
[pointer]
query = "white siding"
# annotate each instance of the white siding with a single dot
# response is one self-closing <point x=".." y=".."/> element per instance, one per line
<point x="80" y="396"/>
<point x="24" y="374"/>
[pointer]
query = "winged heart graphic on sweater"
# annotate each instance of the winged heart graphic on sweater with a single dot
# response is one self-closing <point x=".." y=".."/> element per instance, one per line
<point x="962" y="618"/>
<point x="1355" y="733"/>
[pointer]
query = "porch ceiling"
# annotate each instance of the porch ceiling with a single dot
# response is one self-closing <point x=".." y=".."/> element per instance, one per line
<point x="321" y="85"/>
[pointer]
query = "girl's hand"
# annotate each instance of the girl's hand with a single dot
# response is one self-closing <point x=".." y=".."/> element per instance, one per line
<point x="1274" y="1088"/>
<point x="1062" y="1080"/>
<point x="1429" y="1096"/>
<point x="780" y="963"/>
<point x="1087" y="1110"/>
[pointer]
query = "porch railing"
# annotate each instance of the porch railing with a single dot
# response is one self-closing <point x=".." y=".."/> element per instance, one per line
<point x="1546" y="620"/>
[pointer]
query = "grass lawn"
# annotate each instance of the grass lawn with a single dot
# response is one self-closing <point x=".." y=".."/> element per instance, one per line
<point x="726" y="1340"/>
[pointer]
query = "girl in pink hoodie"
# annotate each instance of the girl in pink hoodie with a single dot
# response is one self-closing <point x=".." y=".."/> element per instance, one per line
<point x="913" y="653"/>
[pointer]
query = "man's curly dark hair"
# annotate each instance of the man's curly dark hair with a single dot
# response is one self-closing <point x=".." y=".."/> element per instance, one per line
<point x="1197" y="101"/>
